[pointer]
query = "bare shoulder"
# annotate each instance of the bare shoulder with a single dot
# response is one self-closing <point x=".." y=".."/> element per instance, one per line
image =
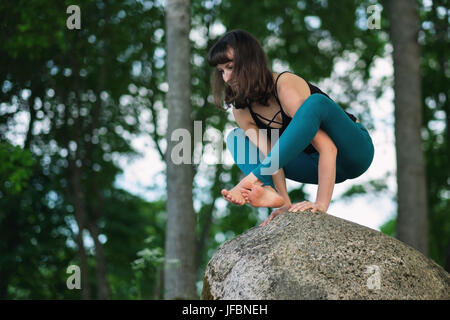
<point x="292" y="91"/>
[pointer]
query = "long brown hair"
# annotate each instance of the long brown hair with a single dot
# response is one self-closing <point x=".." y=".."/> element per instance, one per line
<point x="251" y="74"/>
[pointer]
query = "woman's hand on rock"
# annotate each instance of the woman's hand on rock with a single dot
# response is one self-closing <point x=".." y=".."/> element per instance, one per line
<point x="275" y="213"/>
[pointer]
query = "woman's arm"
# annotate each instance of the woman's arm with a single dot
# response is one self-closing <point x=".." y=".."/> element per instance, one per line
<point x="279" y="180"/>
<point x="327" y="178"/>
<point x="327" y="167"/>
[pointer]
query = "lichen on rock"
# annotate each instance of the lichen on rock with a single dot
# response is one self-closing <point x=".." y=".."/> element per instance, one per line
<point x="318" y="256"/>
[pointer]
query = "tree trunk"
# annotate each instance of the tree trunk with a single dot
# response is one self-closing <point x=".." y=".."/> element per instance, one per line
<point x="80" y="217"/>
<point x="102" y="282"/>
<point x="10" y="242"/>
<point x="412" y="224"/>
<point x="85" y="290"/>
<point x="207" y="218"/>
<point x="179" y="273"/>
<point x="32" y="113"/>
<point x="95" y="212"/>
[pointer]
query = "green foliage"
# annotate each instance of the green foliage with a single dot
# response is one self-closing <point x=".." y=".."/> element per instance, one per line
<point x="371" y="187"/>
<point x="435" y="70"/>
<point x="78" y="82"/>
<point x="133" y="228"/>
<point x="35" y="239"/>
<point x="15" y="170"/>
<point x="150" y="261"/>
<point x="433" y="38"/>
<point x="388" y="228"/>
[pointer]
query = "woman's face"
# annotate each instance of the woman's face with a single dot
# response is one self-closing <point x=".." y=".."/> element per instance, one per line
<point x="226" y="68"/>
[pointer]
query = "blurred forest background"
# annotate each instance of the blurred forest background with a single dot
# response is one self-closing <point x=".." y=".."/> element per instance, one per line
<point x="71" y="102"/>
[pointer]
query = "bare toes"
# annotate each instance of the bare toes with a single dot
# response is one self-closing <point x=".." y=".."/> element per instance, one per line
<point x="247" y="185"/>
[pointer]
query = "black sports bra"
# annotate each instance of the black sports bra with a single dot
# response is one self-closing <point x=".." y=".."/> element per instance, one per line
<point x="286" y="119"/>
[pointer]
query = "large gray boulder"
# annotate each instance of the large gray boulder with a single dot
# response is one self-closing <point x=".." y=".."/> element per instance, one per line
<point x="318" y="256"/>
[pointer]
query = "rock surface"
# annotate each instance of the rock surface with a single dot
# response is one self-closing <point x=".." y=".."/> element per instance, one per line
<point x="318" y="256"/>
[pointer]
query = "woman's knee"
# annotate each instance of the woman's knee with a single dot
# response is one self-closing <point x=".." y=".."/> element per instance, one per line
<point x="317" y="98"/>
<point x="316" y="103"/>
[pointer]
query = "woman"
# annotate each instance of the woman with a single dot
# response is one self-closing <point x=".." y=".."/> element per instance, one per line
<point x="313" y="140"/>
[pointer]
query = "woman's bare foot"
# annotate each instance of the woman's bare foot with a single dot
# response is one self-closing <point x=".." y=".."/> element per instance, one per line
<point x="234" y="195"/>
<point x="261" y="196"/>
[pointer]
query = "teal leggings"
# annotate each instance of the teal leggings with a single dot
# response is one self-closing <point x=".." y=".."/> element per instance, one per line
<point x="353" y="142"/>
